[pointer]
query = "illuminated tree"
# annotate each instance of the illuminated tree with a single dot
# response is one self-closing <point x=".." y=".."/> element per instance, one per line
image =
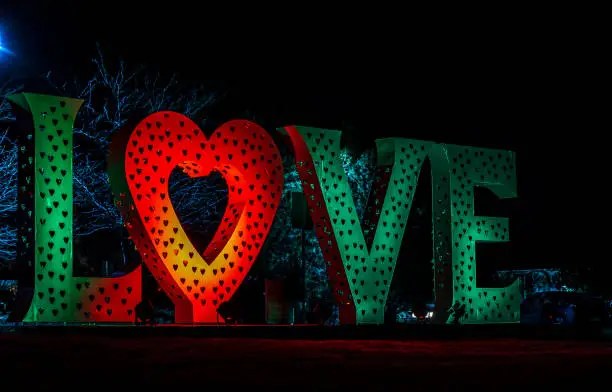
<point x="8" y="182"/>
<point x="112" y="97"/>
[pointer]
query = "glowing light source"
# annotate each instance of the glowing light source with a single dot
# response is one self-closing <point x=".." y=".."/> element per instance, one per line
<point x="428" y="315"/>
<point x="3" y="48"/>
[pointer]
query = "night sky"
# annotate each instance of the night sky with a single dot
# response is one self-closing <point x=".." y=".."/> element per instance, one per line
<point x="501" y="85"/>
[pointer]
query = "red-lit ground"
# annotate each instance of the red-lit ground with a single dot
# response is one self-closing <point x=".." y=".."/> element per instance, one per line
<point x="197" y="364"/>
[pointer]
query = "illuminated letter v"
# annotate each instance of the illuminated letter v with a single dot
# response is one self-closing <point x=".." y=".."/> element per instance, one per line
<point x="367" y="260"/>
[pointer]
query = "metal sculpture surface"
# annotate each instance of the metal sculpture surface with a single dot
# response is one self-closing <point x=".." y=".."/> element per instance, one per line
<point x="45" y="221"/>
<point x="249" y="161"/>
<point x="365" y="256"/>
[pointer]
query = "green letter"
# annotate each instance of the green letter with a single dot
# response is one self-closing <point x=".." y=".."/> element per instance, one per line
<point x="369" y="270"/>
<point x="45" y="221"/>
<point x="468" y="167"/>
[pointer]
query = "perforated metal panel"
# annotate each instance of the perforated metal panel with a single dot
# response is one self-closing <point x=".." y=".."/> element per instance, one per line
<point x="45" y="197"/>
<point x="365" y="258"/>
<point x="250" y="163"/>
<point x="469" y="167"/>
<point x="369" y="270"/>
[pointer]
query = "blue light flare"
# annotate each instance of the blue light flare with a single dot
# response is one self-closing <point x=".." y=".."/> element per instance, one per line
<point x="4" y="49"/>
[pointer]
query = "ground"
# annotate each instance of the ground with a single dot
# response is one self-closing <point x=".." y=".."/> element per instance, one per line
<point x="37" y="362"/>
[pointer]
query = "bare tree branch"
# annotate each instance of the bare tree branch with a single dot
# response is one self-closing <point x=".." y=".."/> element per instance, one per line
<point x="111" y="97"/>
<point x="8" y="179"/>
<point x="126" y="92"/>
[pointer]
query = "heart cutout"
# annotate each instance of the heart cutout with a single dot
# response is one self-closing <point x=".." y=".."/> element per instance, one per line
<point x="250" y="163"/>
<point x="212" y="191"/>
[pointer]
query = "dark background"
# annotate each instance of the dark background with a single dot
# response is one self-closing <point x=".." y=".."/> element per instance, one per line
<point x="518" y="82"/>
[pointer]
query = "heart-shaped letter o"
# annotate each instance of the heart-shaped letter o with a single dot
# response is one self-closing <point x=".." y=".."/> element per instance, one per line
<point x="248" y="159"/>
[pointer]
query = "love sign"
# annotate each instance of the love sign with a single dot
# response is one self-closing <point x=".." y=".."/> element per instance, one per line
<point x="360" y="257"/>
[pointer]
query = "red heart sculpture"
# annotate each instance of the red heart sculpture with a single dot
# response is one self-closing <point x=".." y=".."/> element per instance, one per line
<point x="248" y="159"/>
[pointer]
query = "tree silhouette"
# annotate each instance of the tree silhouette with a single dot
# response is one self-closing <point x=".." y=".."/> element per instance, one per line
<point x="112" y="96"/>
